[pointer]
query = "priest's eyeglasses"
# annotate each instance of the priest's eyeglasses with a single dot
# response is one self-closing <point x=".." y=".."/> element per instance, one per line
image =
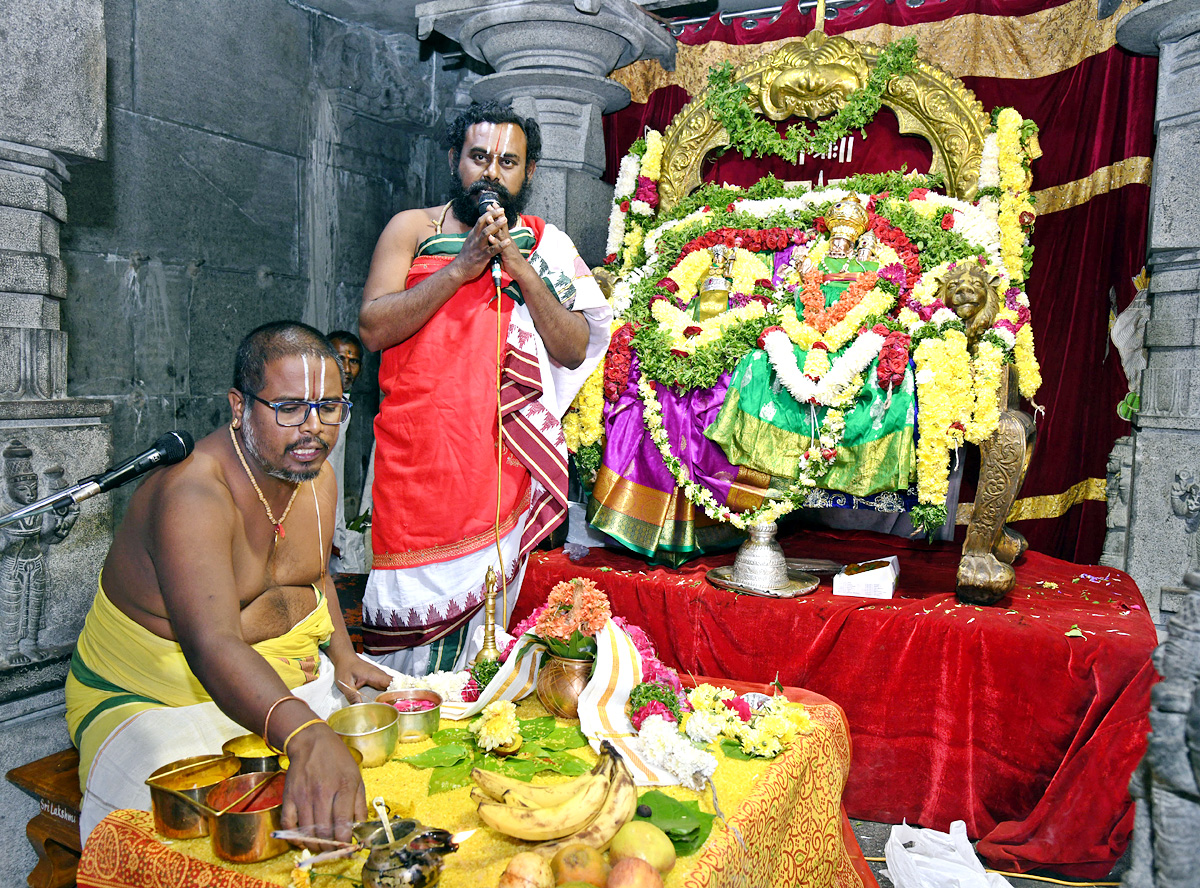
<point x="295" y="413"/>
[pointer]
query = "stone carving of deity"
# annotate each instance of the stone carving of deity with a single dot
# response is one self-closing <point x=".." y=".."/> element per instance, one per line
<point x="24" y="547"/>
<point x="1185" y="503"/>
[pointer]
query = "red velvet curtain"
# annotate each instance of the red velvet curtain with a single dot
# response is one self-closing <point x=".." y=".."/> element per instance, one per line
<point x="1091" y="115"/>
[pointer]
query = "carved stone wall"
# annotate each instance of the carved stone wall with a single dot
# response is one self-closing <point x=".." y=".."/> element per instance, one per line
<point x="1166" y="435"/>
<point x="242" y="186"/>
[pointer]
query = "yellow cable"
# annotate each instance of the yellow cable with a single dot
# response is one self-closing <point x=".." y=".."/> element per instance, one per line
<point x="1021" y="876"/>
<point x="500" y="450"/>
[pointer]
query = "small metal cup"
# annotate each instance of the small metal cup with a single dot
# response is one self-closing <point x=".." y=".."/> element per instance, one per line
<point x="175" y="818"/>
<point x="415" y="726"/>
<point x="371" y="728"/>
<point x="253" y="753"/>
<point x="244" y="836"/>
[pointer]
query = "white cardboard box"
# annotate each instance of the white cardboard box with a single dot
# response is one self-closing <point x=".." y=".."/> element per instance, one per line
<point x="877" y="583"/>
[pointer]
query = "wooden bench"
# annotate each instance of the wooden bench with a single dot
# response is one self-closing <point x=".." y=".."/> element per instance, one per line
<point x="54" y="832"/>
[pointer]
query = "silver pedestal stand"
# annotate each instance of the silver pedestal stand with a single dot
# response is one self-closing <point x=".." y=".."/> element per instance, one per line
<point x="761" y="569"/>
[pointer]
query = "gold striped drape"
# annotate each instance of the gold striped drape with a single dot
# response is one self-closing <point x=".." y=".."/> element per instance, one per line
<point x="1049" y="506"/>
<point x="1018" y="48"/>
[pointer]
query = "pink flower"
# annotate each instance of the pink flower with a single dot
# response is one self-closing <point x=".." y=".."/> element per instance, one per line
<point x="470" y="691"/>
<point x="654" y="707"/>
<point x="653" y="669"/>
<point x="640" y="640"/>
<point x="740" y="706"/>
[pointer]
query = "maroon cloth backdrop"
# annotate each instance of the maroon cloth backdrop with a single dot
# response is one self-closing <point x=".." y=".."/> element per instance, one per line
<point x="1091" y="115"/>
<point x="991" y="715"/>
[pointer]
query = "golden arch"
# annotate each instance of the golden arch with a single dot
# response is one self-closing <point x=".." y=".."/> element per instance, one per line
<point x="812" y="78"/>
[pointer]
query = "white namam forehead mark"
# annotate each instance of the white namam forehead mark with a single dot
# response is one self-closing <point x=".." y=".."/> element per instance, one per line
<point x="307" y="383"/>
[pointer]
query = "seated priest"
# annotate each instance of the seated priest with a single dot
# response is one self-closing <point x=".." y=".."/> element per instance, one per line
<point x="215" y="613"/>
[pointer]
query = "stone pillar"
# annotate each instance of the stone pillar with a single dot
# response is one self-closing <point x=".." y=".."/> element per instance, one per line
<point x="1163" y="536"/>
<point x="551" y="60"/>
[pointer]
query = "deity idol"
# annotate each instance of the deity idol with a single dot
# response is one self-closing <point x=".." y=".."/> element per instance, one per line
<point x="800" y="413"/>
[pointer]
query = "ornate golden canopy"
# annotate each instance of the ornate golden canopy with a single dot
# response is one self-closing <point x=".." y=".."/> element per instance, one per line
<point x="812" y="78"/>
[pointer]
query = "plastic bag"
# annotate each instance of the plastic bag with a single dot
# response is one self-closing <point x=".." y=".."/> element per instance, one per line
<point x="926" y="858"/>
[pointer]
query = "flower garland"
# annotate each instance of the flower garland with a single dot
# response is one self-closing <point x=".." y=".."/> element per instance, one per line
<point x="688" y="334"/>
<point x="768" y="218"/>
<point x="1017" y="213"/>
<point x="636" y="192"/>
<point x="839" y="385"/>
<point x="699" y="495"/>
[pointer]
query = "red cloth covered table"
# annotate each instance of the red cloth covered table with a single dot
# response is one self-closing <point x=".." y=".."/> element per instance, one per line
<point x="996" y="716"/>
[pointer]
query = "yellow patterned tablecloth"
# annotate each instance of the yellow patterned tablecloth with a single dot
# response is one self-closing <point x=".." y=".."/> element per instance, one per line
<point x="786" y="828"/>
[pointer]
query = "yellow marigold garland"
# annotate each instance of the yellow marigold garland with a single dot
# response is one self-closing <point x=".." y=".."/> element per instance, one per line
<point x="652" y="159"/>
<point x="944" y="393"/>
<point x="1015" y="181"/>
<point x="1029" y="374"/>
<point x="986" y="368"/>
<point x="583" y="422"/>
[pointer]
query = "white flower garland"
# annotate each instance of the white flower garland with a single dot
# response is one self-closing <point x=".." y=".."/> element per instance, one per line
<point x="837" y="387"/>
<point x="664" y="746"/>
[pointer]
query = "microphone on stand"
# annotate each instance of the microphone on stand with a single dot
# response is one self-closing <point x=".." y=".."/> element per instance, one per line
<point x="167" y="450"/>
<point x="487" y="200"/>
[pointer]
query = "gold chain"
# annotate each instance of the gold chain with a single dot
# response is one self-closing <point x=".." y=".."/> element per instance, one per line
<point x="278" y="525"/>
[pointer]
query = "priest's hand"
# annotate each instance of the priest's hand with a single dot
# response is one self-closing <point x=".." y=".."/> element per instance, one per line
<point x="487" y="238"/>
<point x="323" y="793"/>
<point x="356" y="672"/>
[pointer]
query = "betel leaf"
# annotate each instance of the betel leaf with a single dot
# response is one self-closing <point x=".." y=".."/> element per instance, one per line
<point x="537" y="728"/>
<point x="452" y="735"/>
<point x="440" y="756"/>
<point x="565" y="737"/>
<point x="446" y="779"/>
<point x="570" y="765"/>
<point x="684" y="823"/>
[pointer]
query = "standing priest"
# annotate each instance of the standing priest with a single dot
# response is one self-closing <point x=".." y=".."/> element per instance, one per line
<point x="455" y="294"/>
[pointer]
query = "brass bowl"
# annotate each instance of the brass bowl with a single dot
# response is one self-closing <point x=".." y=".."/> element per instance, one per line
<point x="253" y="752"/>
<point x="243" y="834"/>
<point x="371" y="728"/>
<point x="415" y="726"/>
<point x="174" y="817"/>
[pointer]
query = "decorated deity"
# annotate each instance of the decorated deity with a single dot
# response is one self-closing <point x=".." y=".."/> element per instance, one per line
<point x="24" y="546"/>
<point x="806" y="406"/>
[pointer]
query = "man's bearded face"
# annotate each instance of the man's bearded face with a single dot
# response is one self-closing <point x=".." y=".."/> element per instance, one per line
<point x="492" y="158"/>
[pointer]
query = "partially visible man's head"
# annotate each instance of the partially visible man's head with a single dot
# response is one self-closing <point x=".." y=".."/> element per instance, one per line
<point x="493" y="148"/>
<point x="350" y="355"/>
<point x="285" y="361"/>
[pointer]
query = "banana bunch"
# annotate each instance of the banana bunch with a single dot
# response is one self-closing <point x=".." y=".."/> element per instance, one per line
<point x="590" y="808"/>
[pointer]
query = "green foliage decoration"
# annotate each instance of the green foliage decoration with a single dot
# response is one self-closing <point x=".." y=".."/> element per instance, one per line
<point x="750" y="134"/>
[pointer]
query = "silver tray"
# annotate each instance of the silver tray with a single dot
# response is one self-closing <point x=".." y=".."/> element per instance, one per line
<point x="819" y="566"/>
<point x="799" y="583"/>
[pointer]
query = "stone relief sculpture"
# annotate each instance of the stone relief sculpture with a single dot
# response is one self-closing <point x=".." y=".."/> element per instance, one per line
<point x="1118" y="482"/>
<point x="1185" y="503"/>
<point x="1166" y="785"/>
<point x="24" y="551"/>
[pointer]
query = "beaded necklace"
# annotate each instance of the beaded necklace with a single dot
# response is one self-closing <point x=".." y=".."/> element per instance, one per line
<point x="279" y="532"/>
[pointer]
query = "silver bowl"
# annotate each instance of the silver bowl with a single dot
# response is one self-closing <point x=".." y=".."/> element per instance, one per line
<point x="415" y="726"/>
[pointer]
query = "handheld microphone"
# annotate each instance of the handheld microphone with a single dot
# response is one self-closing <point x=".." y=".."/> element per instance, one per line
<point x="167" y="450"/>
<point x="487" y="200"/>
